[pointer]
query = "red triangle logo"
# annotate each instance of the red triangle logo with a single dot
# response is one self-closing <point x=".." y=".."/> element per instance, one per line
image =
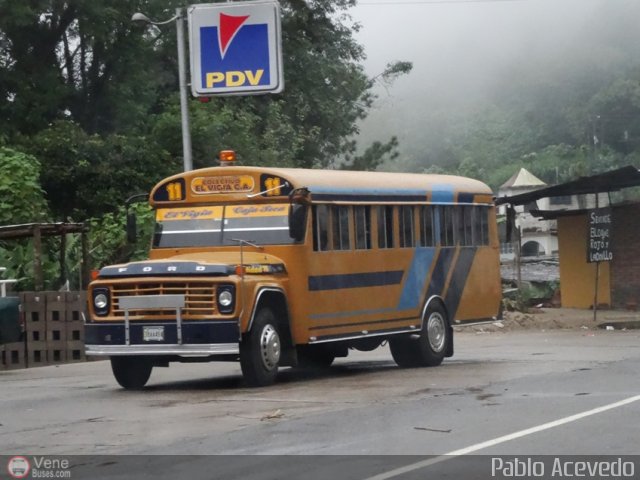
<point x="229" y="26"/>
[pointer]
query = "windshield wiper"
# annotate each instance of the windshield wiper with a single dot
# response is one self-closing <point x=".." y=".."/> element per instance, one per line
<point x="242" y="241"/>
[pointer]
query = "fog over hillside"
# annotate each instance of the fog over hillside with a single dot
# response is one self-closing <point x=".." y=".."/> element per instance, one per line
<point x="471" y="56"/>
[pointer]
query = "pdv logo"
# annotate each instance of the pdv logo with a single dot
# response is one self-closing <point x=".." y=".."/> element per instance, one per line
<point x="234" y="48"/>
<point x="241" y="57"/>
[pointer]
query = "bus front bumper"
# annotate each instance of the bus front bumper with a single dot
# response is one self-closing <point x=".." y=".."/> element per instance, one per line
<point x="189" y="339"/>
<point x="203" y="350"/>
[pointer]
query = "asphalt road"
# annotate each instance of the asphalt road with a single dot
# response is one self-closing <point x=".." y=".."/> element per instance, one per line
<point x="516" y="393"/>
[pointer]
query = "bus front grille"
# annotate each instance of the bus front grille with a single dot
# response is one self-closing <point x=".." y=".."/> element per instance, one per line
<point x="200" y="299"/>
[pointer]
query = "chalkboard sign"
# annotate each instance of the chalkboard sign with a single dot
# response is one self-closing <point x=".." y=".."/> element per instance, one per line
<point x="599" y="242"/>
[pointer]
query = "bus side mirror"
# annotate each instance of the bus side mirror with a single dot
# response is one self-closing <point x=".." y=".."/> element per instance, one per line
<point x="297" y="221"/>
<point x="132" y="227"/>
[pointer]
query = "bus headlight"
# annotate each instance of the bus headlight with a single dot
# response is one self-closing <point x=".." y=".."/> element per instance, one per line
<point x="226" y="300"/>
<point x="101" y="301"/>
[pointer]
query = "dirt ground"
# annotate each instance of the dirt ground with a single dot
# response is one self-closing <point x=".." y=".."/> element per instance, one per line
<point x="560" y="318"/>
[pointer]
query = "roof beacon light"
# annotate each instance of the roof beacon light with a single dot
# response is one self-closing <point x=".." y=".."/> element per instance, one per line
<point x="227" y="157"/>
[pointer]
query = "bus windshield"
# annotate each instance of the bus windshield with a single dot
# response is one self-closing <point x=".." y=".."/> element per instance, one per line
<point x="222" y="225"/>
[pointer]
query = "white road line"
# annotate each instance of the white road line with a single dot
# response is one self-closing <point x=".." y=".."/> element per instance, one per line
<point x="506" y="438"/>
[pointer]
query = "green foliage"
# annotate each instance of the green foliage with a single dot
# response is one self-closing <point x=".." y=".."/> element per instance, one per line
<point x="22" y="197"/>
<point x="528" y="295"/>
<point x="17" y="257"/>
<point x="108" y="237"/>
<point x="87" y="175"/>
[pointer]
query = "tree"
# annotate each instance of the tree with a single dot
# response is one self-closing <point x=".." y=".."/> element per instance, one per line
<point x="373" y="156"/>
<point x="88" y="175"/>
<point x="80" y="59"/>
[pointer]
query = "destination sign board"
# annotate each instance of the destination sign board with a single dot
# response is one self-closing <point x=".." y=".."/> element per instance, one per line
<point x="599" y="239"/>
<point x="235" y="48"/>
<point x="222" y="184"/>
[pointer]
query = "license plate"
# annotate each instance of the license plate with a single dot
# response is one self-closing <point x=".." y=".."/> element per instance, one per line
<point x="153" y="334"/>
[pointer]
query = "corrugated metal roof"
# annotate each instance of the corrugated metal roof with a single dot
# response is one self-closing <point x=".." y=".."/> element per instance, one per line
<point x="611" y="181"/>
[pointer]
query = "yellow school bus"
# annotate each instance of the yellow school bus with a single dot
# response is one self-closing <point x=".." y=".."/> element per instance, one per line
<point x="291" y="267"/>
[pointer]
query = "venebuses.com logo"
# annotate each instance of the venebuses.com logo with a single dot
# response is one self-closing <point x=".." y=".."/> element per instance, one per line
<point x="39" y="467"/>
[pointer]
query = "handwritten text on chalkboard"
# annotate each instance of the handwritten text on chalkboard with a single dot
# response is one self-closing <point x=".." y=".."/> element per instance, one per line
<point x="599" y="246"/>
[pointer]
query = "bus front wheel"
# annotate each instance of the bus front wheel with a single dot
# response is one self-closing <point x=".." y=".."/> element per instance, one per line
<point x="131" y="373"/>
<point x="260" y="350"/>
<point x="429" y="349"/>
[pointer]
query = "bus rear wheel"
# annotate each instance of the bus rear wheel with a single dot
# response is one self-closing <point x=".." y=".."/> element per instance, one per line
<point x="260" y="350"/>
<point x="429" y="349"/>
<point x="131" y="373"/>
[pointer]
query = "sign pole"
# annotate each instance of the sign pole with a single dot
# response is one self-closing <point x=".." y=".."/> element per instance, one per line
<point x="595" y="299"/>
<point x="184" y="89"/>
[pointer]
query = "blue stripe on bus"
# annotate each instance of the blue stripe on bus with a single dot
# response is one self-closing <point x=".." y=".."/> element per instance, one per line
<point x="459" y="280"/>
<point x="442" y="193"/>
<point x="413" y="290"/>
<point x="351" y="313"/>
<point x="440" y="271"/>
<point x="365" y="322"/>
<point x="466" y="197"/>
<point x="367" y="191"/>
<point x="355" y="280"/>
<point x="326" y="197"/>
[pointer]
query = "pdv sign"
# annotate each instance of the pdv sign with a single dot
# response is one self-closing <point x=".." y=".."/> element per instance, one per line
<point x="235" y="48"/>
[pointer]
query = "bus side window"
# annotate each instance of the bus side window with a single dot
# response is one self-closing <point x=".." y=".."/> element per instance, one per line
<point x="340" y="223"/>
<point x="426" y="227"/>
<point x="484" y="225"/>
<point x="448" y="227"/>
<point x="362" y="220"/>
<point x="460" y="221"/>
<point x="320" y="227"/>
<point x="406" y="226"/>
<point x="465" y="224"/>
<point x="385" y="227"/>
<point x="474" y="225"/>
<point x="468" y="226"/>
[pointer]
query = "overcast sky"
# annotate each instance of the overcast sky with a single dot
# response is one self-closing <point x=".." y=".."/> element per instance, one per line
<point x="457" y="33"/>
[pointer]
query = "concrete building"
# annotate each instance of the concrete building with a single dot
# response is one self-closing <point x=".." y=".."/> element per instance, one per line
<point x="617" y="280"/>
<point x="539" y="236"/>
